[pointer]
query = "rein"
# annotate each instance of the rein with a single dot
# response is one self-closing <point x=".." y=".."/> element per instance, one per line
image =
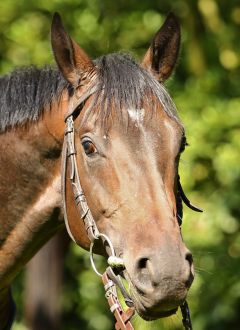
<point x="110" y="278"/>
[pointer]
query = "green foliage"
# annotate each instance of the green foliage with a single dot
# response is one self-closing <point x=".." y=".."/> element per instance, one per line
<point x="206" y="91"/>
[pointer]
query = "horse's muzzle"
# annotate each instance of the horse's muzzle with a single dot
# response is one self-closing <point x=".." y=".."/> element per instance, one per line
<point x="159" y="283"/>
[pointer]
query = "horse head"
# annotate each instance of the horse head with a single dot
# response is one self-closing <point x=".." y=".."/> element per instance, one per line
<point x="128" y="140"/>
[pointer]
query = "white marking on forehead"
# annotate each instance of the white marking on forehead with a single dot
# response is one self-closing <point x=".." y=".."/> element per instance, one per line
<point x="137" y="115"/>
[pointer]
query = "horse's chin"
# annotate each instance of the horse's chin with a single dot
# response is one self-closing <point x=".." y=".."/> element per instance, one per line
<point x="150" y="314"/>
<point x="154" y="315"/>
<point x="149" y="311"/>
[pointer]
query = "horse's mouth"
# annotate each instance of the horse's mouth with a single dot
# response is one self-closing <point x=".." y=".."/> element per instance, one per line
<point x="151" y="313"/>
<point x="159" y="315"/>
<point x="148" y="310"/>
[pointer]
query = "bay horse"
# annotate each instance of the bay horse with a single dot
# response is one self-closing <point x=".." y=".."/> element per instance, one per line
<point x="122" y="141"/>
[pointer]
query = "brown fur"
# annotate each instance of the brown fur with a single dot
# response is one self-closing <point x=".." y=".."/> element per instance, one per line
<point x="130" y="180"/>
<point x="130" y="183"/>
<point x="30" y="196"/>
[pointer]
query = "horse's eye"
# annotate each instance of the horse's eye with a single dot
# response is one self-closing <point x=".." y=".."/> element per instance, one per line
<point x="89" y="147"/>
<point x="183" y="144"/>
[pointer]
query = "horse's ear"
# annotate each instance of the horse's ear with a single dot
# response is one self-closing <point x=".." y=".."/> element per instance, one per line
<point x="162" y="55"/>
<point x="72" y="61"/>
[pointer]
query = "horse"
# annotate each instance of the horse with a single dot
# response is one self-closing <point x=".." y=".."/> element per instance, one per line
<point x="117" y="186"/>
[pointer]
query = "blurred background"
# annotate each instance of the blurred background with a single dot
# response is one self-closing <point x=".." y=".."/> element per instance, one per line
<point x="206" y="90"/>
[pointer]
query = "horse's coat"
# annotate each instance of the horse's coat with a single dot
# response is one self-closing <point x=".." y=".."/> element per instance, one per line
<point x="128" y="143"/>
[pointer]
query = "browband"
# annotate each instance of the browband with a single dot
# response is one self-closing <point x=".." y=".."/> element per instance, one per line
<point x="76" y="102"/>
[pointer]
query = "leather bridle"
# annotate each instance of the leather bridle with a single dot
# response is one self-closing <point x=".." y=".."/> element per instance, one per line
<point x="111" y="278"/>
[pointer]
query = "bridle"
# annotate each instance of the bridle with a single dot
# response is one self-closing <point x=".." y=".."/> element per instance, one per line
<point x="110" y="278"/>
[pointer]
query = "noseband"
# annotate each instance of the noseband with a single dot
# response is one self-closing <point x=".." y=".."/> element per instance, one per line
<point x="111" y="278"/>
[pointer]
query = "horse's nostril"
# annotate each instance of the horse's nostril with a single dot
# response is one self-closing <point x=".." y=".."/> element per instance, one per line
<point x="143" y="275"/>
<point x="189" y="258"/>
<point x="142" y="263"/>
<point x="190" y="273"/>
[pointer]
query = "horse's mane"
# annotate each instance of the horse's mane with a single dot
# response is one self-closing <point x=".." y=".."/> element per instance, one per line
<point x="26" y="92"/>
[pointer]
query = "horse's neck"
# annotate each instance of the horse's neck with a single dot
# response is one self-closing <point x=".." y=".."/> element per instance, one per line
<point x="30" y="197"/>
<point x="29" y="162"/>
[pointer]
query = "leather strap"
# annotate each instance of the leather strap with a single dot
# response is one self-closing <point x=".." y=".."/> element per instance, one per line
<point x="186" y="320"/>
<point x="185" y="199"/>
<point x="69" y="157"/>
<point x="76" y="102"/>
<point x="63" y="188"/>
<point x="117" y="281"/>
<point x="122" y="317"/>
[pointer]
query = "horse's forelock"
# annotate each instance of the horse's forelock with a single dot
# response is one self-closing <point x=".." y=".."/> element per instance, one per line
<point x="123" y="84"/>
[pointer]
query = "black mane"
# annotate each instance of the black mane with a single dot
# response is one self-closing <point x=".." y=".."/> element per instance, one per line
<point x="25" y="92"/>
